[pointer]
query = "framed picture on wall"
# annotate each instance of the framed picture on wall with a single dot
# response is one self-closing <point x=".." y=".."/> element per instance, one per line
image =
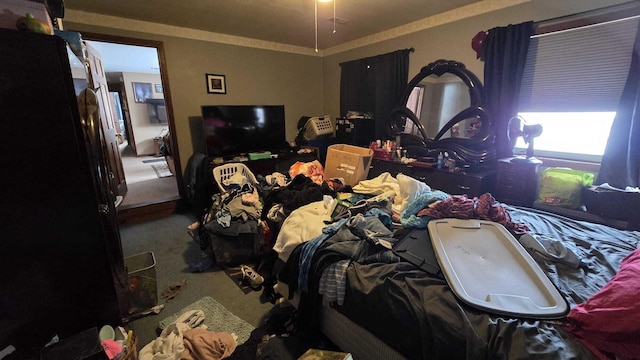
<point x="142" y="92"/>
<point x="216" y="84"/>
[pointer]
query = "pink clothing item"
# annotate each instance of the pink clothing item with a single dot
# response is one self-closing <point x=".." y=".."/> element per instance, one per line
<point x="608" y="323"/>
<point x="205" y="344"/>
<point x="312" y="170"/>
<point x="483" y="208"/>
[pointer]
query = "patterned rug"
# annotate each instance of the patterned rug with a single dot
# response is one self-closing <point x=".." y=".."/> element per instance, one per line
<point x="216" y="317"/>
<point x="162" y="170"/>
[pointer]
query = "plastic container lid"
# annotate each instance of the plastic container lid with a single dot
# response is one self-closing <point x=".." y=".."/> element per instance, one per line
<point x="488" y="269"/>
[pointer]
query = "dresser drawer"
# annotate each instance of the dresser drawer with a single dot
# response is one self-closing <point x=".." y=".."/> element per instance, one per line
<point x="455" y="183"/>
<point x="381" y="166"/>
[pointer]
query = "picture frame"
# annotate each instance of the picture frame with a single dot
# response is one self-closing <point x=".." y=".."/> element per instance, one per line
<point x="159" y="88"/>
<point x="216" y="84"/>
<point x="142" y="92"/>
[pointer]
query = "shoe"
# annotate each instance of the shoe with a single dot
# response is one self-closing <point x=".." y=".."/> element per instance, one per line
<point x="251" y="277"/>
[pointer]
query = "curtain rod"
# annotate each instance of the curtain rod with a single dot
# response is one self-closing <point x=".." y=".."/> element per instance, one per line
<point x="627" y="9"/>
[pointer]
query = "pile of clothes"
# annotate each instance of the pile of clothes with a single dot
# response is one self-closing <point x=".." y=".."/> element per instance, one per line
<point x="189" y="339"/>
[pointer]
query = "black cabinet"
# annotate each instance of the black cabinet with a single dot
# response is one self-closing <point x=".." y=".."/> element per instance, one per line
<point x="517" y="181"/>
<point x="455" y="183"/>
<point x="359" y="132"/>
<point x="60" y="253"/>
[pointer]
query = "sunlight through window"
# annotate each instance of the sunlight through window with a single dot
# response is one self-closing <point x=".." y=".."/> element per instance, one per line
<point x="570" y="135"/>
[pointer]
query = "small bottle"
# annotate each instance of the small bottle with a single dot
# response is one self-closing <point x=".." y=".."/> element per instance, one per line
<point x="440" y="161"/>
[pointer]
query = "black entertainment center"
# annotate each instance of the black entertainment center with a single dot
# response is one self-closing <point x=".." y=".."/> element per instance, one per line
<point x="232" y="132"/>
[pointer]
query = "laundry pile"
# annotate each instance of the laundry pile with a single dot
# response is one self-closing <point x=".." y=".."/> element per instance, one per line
<point x="187" y="338"/>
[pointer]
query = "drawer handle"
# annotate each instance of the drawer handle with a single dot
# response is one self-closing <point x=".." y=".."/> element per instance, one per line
<point x="462" y="187"/>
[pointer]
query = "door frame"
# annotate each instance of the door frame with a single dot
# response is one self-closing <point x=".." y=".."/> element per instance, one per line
<point x="166" y="89"/>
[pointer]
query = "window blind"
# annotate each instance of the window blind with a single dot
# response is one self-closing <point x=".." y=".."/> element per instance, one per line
<point x="582" y="69"/>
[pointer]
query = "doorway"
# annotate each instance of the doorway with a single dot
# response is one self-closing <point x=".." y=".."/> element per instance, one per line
<point x="146" y="137"/>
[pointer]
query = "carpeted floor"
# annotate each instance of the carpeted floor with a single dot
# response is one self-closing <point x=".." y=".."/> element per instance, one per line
<point x="150" y="191"/>
<point x="144" y="185"/>
<point x="174" y="250"/>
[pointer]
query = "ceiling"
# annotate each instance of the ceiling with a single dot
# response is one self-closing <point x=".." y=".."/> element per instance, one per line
<point x="288" y="22"/>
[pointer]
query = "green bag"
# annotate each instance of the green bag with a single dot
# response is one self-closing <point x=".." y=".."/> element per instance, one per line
<point x="562" y="187"/>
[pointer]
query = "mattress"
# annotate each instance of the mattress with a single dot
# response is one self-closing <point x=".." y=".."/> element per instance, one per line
<point x="345" y="334"/>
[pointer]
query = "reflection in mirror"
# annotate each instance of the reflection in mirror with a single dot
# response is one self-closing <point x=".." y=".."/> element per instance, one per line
<point x="436" y="100"/>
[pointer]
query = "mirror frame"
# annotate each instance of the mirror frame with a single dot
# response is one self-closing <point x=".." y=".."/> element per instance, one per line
<point x="475" y="153"/>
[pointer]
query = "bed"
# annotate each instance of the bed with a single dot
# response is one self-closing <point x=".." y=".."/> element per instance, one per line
<point x="388" y="308"/>
<point x="393" y="309"/>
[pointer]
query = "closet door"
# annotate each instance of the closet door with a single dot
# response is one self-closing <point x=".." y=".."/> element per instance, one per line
<point x="108" y="120"/>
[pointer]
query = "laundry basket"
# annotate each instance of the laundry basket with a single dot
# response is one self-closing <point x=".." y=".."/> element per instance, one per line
<point x="318" y="126"/>
<point x="222" y="173"/>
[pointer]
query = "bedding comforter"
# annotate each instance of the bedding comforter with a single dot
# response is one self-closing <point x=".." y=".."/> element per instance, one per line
<point x="417" y="314"/>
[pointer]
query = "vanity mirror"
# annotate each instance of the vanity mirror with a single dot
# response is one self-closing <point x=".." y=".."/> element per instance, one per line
<point x="442" y="111"/>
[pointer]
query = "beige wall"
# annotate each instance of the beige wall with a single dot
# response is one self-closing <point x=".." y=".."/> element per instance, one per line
<point x="309" y="85"/>
<point x="143" y="130"/>
<point x="253" y="76"/>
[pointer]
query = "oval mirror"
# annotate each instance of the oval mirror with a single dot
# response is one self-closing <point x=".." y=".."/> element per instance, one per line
<point x="442" y="111"/>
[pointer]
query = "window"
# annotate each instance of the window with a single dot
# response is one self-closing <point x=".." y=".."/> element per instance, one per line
<point x="572" y="83"/>
<point x="569" y="135"/>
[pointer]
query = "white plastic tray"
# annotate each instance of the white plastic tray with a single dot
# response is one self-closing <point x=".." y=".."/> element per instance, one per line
<point x="487" y="268"/>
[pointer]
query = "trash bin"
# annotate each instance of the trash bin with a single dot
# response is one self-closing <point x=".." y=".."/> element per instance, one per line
<point x="143" y="286"/>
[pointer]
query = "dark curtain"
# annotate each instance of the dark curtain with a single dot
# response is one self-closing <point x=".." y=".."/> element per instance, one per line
<point x="505" y="53"/>
<point x="374" y="85"/>
<point x="620" y="165"/>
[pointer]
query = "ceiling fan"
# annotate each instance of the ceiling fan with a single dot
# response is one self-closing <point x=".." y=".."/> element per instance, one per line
<point x="518" y="127"/>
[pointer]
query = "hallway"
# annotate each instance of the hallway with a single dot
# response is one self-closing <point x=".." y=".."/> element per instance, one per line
<point x="144" y="185"/>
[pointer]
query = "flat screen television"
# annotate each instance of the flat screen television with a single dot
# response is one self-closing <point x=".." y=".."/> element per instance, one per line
<point x="232" y="130"/>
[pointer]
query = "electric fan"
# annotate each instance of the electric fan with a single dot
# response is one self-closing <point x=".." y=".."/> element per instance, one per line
<point x="517" y="127"/>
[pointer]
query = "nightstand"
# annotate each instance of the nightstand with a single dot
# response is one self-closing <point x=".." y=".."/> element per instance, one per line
<point x="517" y="181"/>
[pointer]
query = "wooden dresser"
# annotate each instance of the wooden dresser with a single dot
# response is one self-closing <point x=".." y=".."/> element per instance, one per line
<point x="455" y="183"/>
<point x="517" y="181"/>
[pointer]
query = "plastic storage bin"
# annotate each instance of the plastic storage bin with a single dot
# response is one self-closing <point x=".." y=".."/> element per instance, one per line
<point x="143" y="286"/>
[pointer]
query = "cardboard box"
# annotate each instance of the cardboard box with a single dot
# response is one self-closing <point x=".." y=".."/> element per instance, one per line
<point x="315" y="354"/>
<point x="348" y="162"/>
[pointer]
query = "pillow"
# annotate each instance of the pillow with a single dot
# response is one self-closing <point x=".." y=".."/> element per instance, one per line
<point x="609" y="321"/>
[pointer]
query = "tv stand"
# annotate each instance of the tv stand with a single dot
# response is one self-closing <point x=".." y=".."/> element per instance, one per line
<point x="277" y="162"/>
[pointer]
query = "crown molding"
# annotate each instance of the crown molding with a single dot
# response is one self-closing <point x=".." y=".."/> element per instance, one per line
<point x="478" y="8"/>
<point x="463" y="12"/>
<point x="114" y="22"/>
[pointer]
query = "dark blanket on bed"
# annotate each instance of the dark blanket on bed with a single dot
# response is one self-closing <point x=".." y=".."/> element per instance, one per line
<point x="418" y="315"/>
